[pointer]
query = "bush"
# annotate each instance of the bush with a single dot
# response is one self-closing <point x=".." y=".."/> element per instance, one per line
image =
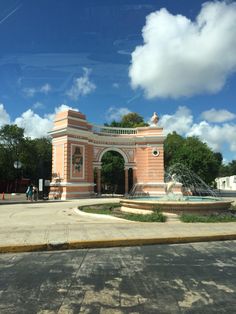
<point x="211" y="218"/>
<point x="154" y="217"/>
<point x="233" y="209"/>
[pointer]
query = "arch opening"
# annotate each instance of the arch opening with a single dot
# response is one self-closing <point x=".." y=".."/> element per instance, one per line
<point x="112" y="173"/>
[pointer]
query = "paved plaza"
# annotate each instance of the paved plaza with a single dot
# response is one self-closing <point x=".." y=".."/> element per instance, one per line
<point x="184" y="278"/>
<point x="104" y="277"/>
<point x="31" y="226"/>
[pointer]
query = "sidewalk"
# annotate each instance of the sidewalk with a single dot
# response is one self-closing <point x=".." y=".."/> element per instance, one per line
<point x="50" y="226"/>
<point x="18" y="198"/>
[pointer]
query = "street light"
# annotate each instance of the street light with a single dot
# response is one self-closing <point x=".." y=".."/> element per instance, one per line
<point x="17" y="166"/>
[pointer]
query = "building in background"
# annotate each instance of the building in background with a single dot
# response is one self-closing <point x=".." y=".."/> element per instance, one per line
<point x="226" y="183"/>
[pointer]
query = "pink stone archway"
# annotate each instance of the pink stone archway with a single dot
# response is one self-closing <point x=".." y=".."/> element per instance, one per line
<point x="78" y="147"/>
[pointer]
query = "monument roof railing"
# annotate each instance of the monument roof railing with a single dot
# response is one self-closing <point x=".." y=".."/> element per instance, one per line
<point x="107" y="131"/>
<point x="115" y="131"/>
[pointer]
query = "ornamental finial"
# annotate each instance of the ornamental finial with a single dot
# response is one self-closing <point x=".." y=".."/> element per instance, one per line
<point x="154" y="119"/>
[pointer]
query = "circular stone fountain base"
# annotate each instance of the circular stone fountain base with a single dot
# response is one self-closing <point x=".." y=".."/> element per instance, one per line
<point x="205" y="206"/>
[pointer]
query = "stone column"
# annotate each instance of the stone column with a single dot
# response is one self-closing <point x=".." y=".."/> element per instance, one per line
<point x="134" y="176"/>
<point x="126" y="181"/>
<point x="99" y="181"/>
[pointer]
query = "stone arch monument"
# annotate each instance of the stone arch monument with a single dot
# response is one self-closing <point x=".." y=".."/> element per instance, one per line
<point x="78" y="147"/>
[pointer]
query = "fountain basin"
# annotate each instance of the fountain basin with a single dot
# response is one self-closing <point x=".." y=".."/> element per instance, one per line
<point x="193" y="205"/>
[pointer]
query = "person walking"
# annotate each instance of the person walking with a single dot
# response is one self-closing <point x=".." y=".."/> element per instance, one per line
<point x="27" y="192"/>
<point x="30" y="192"/>
<point x="35" y="193"/>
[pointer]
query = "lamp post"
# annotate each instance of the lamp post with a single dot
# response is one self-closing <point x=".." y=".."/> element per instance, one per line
<point x="17" y="165"/>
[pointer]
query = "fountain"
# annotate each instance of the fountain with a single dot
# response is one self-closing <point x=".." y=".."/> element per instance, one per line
<point x="170" y="185"/>
<point x="195" y="197"/>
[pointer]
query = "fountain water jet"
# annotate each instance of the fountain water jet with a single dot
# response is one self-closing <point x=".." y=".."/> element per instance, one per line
<point x="196" y="196"/>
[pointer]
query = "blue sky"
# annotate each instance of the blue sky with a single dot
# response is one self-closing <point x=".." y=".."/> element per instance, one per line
<point x="106" y="58"/>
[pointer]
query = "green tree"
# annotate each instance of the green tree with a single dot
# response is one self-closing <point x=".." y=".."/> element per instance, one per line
<point x="37" y="158"/>
<point x="232" y="168"/>
<point x="194" y="154"/>
<point x="130" y="120"/>
<point x="133" y="120"/>
<point x="11" y="148"/>
<point x="35" y="155"/>
<point x="113" y="172"/>
<point x="11" y="135"/>
<point x="172" y="145"/>
<point x="228" y="169"/>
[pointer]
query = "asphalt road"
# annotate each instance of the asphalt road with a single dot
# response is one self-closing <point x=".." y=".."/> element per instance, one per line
<point x="186" y="278"/>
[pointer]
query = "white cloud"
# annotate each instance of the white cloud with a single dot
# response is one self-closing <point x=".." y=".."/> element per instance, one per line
<point x="38" y="105"/>
<point x="116" y="113"/>
<point x="81" y="86"/>
<point x="58" y="109"/>
<point x="181" y="57"/>
<point x="218" y="116"/>
<point x="45" y="89"/>
<point x="180" y="122"/>
<point x="4" y="116"/>
<point x="30" y="92"/>
<point x="64" y="107"/>
<point x="218" y="137"/>
<point x="36" y="126"/>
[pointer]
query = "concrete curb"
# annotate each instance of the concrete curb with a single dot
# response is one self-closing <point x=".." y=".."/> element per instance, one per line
<point x="27" y="202"/>
<point x="112" y="243"/>
<point x="101" y="216"/>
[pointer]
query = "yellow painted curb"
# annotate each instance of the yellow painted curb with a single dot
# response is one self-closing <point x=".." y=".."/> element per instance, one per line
<point x="111" y="243"/>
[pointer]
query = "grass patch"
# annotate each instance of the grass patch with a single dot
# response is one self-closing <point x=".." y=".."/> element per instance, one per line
<point x="211" y="218"/>
<point x="113" y="210"/>
<point x="154" y="217"/>
<point x="104" y="209"/>
<point x="101" y="211"/>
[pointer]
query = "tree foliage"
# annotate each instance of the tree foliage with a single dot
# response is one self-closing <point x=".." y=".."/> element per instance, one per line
<point x="130" y="120"/>
<point x="11" y="148"/>
<point x="37" y="158"/>
<point x="228" y="169"/>
<point x="34" y="154"/>
<point x="113" y="172"/>
<point x="194" y="154"/>
<point x="11" y="136"/>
